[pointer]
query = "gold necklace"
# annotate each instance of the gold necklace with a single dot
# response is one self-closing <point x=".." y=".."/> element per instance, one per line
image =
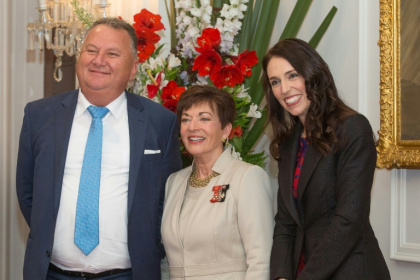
<point x="196" y="182"/>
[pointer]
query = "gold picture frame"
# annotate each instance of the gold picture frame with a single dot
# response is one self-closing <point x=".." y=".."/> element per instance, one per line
<point x="393" y="151"/>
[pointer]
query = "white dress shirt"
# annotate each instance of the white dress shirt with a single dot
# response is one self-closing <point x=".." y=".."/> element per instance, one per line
<point x="112" y="251"/>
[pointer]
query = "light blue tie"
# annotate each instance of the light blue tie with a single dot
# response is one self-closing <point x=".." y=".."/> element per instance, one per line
<point x="86" y="232"/>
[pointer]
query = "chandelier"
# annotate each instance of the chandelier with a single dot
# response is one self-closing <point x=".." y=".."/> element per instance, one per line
<point x="60" y="29"/>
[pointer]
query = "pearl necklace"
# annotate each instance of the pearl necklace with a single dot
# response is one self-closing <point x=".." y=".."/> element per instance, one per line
<point x="196" y="182"/>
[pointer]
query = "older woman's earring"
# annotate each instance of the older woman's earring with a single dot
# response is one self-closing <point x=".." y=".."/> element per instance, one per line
<point x="225" y="141"/>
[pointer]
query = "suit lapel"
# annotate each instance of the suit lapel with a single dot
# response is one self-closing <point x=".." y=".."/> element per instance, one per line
<point x="287" y="164"/>
<point x="63" y="122"/>
<point x="137" y="126"/>
<point x="310" y="162"/>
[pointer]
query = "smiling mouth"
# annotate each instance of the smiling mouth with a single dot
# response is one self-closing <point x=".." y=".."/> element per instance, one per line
<point x="196" y="139"/>
<point x="98" y="72"/>
<point x="293" y="100"/>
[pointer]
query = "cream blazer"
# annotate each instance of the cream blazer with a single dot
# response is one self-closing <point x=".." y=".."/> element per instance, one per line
<point x="223" y="240"/>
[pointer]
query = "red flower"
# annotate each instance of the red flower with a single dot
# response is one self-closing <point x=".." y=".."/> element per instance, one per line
<point x="170" y="95"/>
<point x="170" y="104"/>
<point x="245" y="61"/>
<point x="207" y="62"/>
<point x="148" y="20"/>
<point x="152" y="89"/>
<point x="146" y="43"/>
<point x="228" y="75"/>
<point x="171" y="91"/>
<point x="236" y="131"/>
<point x="209" y="39"/>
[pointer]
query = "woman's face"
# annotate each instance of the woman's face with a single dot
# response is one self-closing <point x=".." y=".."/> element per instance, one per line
<point x="202" y="132"/>
<point x="288" y="87"/>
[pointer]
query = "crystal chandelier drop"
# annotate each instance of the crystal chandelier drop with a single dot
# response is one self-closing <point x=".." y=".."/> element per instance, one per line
<point x="60" y="29"/>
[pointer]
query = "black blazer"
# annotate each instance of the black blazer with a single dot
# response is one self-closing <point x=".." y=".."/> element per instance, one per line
<point x="40" y="167"/>
<point x="331" y="223"/>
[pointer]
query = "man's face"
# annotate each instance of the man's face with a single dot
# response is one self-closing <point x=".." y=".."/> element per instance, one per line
<point x="106" y="64"/>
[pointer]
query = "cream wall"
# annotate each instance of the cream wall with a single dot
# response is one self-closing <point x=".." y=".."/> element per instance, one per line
<point x="349" y="47"/>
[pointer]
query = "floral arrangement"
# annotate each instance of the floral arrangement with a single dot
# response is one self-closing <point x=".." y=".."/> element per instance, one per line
<point x="204" y="55"/>
<point x="215" y="42"/>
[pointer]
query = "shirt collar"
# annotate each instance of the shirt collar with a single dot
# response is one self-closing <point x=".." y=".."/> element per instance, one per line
<point x="116" y="107"/>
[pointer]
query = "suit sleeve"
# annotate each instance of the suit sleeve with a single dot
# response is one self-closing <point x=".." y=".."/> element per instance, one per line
<point x="356" y="160"/>
<point x="281" y="260"/>
<point x="170" y="164"/>
<point x="256" y="221"/>
<point x="172" y="157"/>
<point x="25" y="169"/>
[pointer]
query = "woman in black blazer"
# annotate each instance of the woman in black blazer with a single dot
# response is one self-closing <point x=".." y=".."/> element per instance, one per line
<point x="326" y="158"/>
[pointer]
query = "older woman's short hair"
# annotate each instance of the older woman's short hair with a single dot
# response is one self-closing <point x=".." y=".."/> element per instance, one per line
<point x="219" y="101"/>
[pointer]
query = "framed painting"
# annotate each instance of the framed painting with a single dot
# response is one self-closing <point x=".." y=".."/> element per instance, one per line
<point x="399" y="134"/>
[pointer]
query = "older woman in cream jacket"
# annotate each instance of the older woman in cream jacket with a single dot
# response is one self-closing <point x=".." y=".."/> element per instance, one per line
<point x="218" y="215"/>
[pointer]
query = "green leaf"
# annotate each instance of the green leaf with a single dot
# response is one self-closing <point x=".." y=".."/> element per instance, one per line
<point x="323" y="28"/>
<point x="296" y="18"/>
<point x="255" y="133"/>
<point x="256" y="159"/>
<point x="237" y="143"/>
<point x="83" y="15"/>
<point x="268" y="12"/>
<point x="264" y="31"/>
<point x="256" y="13"/>
<point x="246" y="32"/>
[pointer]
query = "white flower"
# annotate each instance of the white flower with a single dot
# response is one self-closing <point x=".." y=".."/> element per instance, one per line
<point x="228" y="25"/>
<point x="193" y="31"/>
<point x="206" y="18"/>
<point x="253" y="113"/>
<point x="243" y="92"/>
<point x="225" y="12"/>
<point x="234" y="12"/>
<point x="186" y="20"/>
<point x="234" y="2"/>
<point x="242" y="8"/>
<point x="219" y="22"/>
<point x="196" y="12"/>
<point x="163" y="82"/>
<point x="183" y="4"/>
<point x="173" y="61"/>
<point x="207" y="9"/>
<point x="236" y="25"/>
<point x="202" y="80"/>
<point x="152" y="63"/>
<point x="234" y="154"/>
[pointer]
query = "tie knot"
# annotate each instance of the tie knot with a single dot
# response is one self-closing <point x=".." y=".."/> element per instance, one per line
<point x="97" y="112"/>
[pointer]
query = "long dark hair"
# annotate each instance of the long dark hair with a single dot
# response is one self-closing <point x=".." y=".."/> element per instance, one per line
<point x="326" y="110"/>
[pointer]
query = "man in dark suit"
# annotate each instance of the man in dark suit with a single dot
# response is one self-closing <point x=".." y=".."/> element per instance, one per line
<point x="140" y="149"/>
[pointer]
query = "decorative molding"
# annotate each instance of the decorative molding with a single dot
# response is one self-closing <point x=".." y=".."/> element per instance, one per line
<point x="401" y="248"/>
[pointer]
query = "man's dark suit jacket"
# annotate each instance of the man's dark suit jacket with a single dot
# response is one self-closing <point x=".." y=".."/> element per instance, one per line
<point x="331" y="222"/>
<point x="42" y="155"/>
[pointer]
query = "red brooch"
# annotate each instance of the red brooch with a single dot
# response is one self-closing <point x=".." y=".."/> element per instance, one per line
<point x="219" y="193"/>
